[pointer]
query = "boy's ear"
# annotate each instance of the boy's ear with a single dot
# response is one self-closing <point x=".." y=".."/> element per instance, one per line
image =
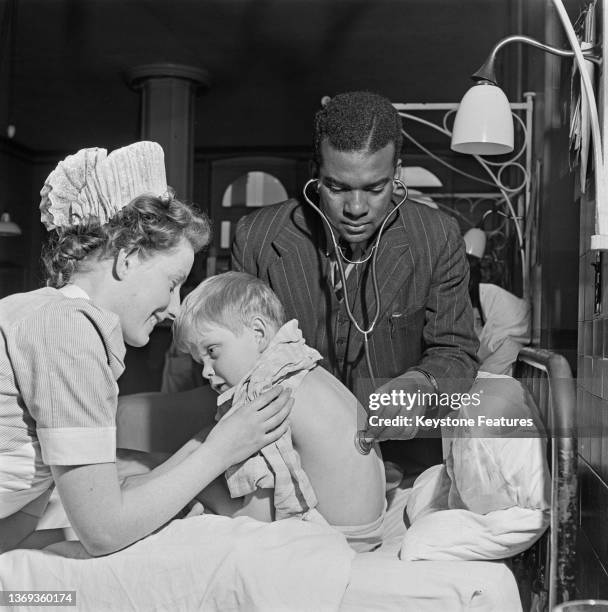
<point x="262" y="331"/>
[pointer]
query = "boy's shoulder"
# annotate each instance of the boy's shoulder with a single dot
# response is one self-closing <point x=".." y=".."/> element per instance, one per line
<point x="319" y="385"/>
<point x="323" y="407"/>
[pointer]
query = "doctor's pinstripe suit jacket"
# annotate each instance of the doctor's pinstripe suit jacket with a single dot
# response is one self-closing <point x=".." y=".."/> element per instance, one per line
<point x="426" y="318"/>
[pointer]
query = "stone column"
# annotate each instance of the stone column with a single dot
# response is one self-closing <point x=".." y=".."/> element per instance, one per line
<point x="167" y="116"/>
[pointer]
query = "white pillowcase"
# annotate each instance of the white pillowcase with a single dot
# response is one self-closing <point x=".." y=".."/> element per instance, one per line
<point x="491" y="498"/>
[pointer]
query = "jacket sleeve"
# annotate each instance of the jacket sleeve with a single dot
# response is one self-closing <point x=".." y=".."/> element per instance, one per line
<point x="449" y="336"/>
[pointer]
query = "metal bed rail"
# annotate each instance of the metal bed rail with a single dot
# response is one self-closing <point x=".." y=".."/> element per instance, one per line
<point x="548" y="378"/>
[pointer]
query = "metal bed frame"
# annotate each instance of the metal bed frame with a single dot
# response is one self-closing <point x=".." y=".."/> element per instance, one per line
<point x="548" y="378"/>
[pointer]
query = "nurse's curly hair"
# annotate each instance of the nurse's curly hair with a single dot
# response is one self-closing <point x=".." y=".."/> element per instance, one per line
<point x="148" y="224"/>
<point x="357" y="121"/>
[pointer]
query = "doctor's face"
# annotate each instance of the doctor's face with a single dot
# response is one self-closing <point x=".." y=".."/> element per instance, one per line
<point x="355" y="190"/>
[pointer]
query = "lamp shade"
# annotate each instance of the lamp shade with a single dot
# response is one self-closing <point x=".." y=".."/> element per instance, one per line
<point x="8" y="227"/>
<point x="483" y="123"/>
<point x="475" y="242"/>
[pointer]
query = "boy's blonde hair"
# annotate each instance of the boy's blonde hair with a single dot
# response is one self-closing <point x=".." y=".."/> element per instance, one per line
<point x="230" y="300"/>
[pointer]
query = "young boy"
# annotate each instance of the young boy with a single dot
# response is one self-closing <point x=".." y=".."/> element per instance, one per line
<point x="234" y="325"/>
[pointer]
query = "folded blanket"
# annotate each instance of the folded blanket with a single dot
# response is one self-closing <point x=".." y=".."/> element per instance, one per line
<point x="286" y="360"/>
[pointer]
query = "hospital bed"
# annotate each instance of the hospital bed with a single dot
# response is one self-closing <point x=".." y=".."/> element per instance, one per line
<point x="377" y="580"/>
<point x="549" y="567"/>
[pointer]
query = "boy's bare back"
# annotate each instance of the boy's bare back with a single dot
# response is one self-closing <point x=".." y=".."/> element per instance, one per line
<point x="350" y="487"/>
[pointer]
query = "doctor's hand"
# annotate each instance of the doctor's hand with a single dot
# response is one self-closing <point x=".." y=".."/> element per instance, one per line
<point x="250" y="426"/>
<point x="393" y="408"/>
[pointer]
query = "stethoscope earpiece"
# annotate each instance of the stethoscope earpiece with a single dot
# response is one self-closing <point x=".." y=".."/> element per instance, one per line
<point x="404" y="187"/>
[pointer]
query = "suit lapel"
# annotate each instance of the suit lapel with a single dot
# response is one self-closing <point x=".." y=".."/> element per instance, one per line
<point x="391" y="271"/>
<point x="299" y="269"/>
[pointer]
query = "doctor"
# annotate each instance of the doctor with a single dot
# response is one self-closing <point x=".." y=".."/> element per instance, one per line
<point x="424" y="338"/>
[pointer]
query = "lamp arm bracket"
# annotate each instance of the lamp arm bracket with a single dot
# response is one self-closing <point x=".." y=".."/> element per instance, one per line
<point x="487" y="70"/>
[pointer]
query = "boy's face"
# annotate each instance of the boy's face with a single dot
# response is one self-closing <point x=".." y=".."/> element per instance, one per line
<point x="226" y="356"/>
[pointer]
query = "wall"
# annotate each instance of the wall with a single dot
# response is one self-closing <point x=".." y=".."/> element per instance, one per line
<point x="592" y="400"/>
<point x="14" y="175"/>
<point x="592" y="394"/>
<point x="554" y="270"/>
<point x="22" y="174"/>
<point x="563" y="285"/>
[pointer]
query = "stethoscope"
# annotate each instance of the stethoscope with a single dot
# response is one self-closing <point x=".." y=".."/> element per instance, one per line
<point x="363" y="445"/>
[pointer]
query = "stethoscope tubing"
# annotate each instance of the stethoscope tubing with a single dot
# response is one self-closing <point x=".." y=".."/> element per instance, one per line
<point x="363" y="445"/>
<point x="340" y="258"/>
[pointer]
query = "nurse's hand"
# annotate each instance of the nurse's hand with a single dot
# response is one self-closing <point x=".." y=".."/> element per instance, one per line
<point x="251" y="426"/>
<point x="393" y="408"/>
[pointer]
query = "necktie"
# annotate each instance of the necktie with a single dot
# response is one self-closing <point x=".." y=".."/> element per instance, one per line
<point x="336" y="280"/>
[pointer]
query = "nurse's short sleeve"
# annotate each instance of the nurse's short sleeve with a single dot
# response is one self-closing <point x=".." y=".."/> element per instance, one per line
<point x="66" y="368"/>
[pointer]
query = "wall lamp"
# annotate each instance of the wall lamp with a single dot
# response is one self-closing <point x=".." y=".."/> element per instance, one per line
<point x="484" y="124"/>
<point x="8" y="227"/>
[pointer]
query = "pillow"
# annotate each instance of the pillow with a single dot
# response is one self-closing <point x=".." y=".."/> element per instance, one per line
<point x="506" y="329"/>
<point x="462" y="535"/>
<point x="429" y="493"/>
<point x="491" y="498"/>
<point x="506" y="316"/>
<point x="501" y="461"/>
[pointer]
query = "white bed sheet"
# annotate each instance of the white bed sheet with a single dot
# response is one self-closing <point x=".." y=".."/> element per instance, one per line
<point x="381" y="584"/>
<point x="265" y="567"/>
<point x="379" y="581"/>
<point x="208" y="563"/>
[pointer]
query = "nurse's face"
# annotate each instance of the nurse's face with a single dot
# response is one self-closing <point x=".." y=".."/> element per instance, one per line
<point x="150" y="290"/>
<point x="355" y="189"/>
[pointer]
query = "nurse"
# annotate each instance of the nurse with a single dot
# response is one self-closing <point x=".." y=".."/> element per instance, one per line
<point x="120" y="247"/>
